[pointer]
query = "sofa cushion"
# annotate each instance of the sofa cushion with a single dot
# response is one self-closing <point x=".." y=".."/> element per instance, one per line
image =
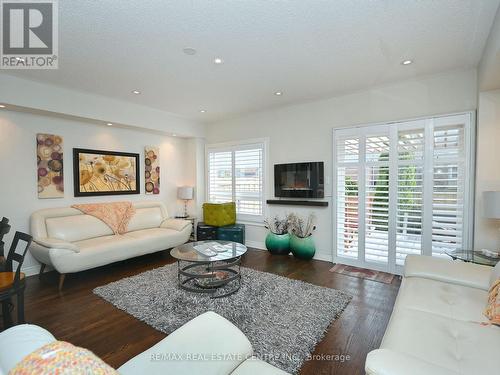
<point x="459" y="346"/>
<point x="447" y="300"/>
<point x="209" y="345"/>
<point x="76" y="228"/>
<point x="160" y="238"/>
<point x="144" y="218"/>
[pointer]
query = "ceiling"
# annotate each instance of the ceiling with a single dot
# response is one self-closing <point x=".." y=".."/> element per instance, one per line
<point x="306" y="49"/>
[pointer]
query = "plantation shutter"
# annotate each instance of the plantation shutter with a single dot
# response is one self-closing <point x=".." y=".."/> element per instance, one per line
<point x="220" y="176"/>
<point x="402" y="188"/>
<point x="236" y="174"/>
<point x="249" y="180"/>
<point x="449" y="188"/>
<point x="347" y="196"/>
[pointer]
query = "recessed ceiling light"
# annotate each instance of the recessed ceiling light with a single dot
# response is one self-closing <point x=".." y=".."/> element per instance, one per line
<point x="406" y="62"/>
<point x="109" y="124"/>
<point x="189" y="51"/>
<point x="174" y="135"/>
<point x="2" y="106"/>
<point x="136" y="92"/>
<point x="203" y="110"/>
<point x="218" y="60"/>
<point x="278" y="93"/>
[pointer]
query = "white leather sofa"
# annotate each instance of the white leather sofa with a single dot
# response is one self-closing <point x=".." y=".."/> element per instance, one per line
<point x="435" y="327"/>
<point x="71" y="241"/>
<point x="209" y="345"/>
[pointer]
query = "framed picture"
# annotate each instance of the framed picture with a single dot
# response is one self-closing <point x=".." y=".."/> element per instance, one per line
<point x="97" y="172"/>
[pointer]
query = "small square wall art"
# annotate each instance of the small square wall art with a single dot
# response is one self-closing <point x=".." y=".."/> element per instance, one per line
<point x="49" y="156"/>
<point x="152" y="169"/>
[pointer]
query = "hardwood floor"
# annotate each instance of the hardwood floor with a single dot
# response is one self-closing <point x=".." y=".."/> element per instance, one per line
<point x="80" y="317"/>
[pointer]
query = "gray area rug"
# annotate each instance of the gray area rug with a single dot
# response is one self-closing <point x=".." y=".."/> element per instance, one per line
<point x="284" y="319"/>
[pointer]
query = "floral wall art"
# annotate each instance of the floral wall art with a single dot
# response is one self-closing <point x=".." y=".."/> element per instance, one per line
<point x="152" y="169"/>
<point x="49" y="149"/>
<point x="105" y="172"/>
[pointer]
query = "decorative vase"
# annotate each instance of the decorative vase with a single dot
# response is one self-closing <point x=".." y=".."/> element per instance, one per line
<point x="278" y="244"/>
<point x="302" y="248"/>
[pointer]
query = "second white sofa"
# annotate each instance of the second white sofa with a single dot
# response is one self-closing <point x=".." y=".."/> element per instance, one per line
<point x="437" y="326"/>
<point x="71" y="241"/>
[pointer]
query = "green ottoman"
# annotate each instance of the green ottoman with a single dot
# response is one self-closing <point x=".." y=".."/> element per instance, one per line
<point x="219" y="214"/>
<point x="234" y="233"/>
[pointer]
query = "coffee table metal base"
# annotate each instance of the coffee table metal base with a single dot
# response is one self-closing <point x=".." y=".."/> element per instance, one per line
<point x="210" y="277"/>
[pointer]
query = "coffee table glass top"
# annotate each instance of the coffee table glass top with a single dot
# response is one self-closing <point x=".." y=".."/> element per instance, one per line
<point x="188" y="252"/>
<point x="472" y="256"/>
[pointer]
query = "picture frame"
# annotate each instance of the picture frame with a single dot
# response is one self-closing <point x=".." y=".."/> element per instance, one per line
<point x="99" y="172"/>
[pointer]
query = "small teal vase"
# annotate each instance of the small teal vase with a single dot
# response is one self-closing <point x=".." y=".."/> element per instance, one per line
<point x="302" y="248"/>
<point x="278" y="244"/>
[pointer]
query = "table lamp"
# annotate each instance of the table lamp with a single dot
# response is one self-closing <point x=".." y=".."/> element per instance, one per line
<point x="491" y="200"/>
<point x="186" y="194"/>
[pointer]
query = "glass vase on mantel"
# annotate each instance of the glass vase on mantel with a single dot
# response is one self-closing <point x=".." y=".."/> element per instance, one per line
<point x="302" y="248"/>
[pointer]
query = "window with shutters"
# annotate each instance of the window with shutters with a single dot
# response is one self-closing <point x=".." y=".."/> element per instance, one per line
<point x="235" y="173"/>
<point x="402" y="188"/>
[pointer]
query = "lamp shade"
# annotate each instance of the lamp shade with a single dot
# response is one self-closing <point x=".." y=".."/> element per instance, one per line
<point x="491" y="200"/>
<point x="185" y="192"/>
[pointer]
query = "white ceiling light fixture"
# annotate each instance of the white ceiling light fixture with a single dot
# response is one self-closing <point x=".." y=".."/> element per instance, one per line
<point x="278" y="93"/>
<point x="136" y="92"/>
<point x="174" y="135"/>
<point x="203" y="110"/>
<point x="2" y="106"/>
<point x="406" y="62"/>
<point x="109" y="124"/>
<point x="218" y="61"/>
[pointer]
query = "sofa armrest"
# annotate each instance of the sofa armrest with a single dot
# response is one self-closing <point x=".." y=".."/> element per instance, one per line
<point x="388" y="362"/>
<point x="448" y="271"/>
<point x="207" y="344"/>
<point x="19" y="341"/>
<point x="54" y="243"/>
<point x="176" y="224"/>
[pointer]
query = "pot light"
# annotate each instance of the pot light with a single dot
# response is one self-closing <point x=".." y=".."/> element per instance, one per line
<point x="136" y="92"/>
<point x="203" y="110"/>
<point x="109" y="124"/>
<point x="174" y="135"/>
<point x="278" y="93"/>
<point x="189" y="51"/>
<point x="2" y="106"/>
<point x="218" y="60"/>
<point x="406" y="62"/>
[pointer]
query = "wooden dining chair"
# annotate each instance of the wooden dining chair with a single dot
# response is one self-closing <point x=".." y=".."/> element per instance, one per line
<point x="12" y="283"/>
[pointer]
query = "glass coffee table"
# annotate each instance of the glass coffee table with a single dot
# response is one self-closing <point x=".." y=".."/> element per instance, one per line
<point x="473" y="257"/>
<point x="216" y="273"/>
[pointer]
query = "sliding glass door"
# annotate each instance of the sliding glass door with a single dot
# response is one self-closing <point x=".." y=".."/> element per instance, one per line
<point x="402" y="188"/>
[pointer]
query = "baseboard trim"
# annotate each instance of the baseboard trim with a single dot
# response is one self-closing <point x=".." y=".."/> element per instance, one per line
<point x="256" y="245"/>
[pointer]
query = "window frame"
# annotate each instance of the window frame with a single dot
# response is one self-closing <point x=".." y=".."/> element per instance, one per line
<point x="469" y="170"/>
<point x="233" y="146"/>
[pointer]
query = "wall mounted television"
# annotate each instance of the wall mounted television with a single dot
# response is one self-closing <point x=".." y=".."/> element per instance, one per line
<point x="299" y="180"/>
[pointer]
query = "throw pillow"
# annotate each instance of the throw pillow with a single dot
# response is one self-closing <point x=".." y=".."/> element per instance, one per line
<point x="61" y="357"/>
<point x="492" y="311"/>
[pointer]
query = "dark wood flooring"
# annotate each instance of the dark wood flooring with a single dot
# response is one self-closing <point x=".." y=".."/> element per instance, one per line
<point x="78" y="316"/>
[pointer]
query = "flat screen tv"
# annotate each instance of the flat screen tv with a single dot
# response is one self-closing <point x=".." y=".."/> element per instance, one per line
<point x="299" y="180"/>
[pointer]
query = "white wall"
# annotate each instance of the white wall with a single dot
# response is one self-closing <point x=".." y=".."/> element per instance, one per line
<point x="487" y="234"/>
<point x="489" y="66"/>
<point x="41" y="96"/>
<point x="304" y="132"/>
<point x="18" y="191"/>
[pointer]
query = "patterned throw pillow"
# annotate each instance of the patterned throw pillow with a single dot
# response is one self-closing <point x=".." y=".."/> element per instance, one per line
<point x="61" y="357"/>
<point x="492" y="311"/>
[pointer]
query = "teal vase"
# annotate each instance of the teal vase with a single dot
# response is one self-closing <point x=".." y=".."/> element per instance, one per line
<point x="278" y="244"/>
<point x="302" y="248"/>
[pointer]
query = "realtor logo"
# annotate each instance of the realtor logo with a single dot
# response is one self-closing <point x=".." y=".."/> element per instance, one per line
<point x="29" y="37"/>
